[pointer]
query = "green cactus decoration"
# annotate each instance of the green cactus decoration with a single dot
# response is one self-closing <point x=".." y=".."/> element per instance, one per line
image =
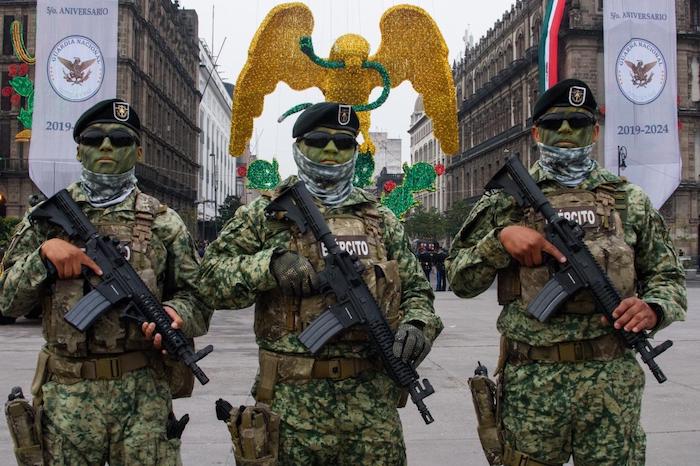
<point x="364" y="169"/>
<point x="263" y="175"/>
<point x="24" y="87"/>
<point x="418" y="177"/>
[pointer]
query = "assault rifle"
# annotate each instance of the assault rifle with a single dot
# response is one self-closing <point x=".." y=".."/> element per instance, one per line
<point x="580" y="270"/>
<point x="355" y="305"/>
<point x="120" y="282"/>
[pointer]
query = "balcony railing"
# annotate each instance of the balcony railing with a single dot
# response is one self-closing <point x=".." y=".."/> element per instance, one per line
<point x="151" y="177"/>
<point x="14" y="167"/>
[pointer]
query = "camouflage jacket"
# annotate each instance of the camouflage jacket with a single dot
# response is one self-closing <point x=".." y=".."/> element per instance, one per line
<point x="236" y="267"/>
<point x="24" y="273"/>
<point x="477" y="255"/>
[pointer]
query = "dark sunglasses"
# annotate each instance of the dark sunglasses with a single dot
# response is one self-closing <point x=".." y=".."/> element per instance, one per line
<point x="118" y="138"/>
<point x="320" y="140"/>
<point x="553" y="121"/>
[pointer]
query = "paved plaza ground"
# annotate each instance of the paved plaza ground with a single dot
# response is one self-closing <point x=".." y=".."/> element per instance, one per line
<point x="671" y="415"/>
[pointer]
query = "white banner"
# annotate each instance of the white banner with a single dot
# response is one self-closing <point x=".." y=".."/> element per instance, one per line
<point x="641" y="114"/>
<point x="76" y="67"/>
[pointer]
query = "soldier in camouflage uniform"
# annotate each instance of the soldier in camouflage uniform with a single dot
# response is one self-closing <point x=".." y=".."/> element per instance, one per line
<point x="340" y="406"/>
<point x="104" y="395"/>
<point x="571" y="388"/>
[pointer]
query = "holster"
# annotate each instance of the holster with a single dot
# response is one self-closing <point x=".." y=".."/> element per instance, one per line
<point x="485" y="396"/>
<point x="255" y="435"/>
<point x="180" y="377"/>
<point x="24" y="429"/>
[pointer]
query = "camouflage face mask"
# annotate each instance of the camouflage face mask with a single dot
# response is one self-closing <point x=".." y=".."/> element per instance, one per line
<point x="104" y="190"/>
<point x="331" y="184"/>
<point x="568" y="166"/>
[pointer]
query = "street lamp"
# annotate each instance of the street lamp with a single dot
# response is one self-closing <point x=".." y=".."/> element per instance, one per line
<point x="621" y="157"/>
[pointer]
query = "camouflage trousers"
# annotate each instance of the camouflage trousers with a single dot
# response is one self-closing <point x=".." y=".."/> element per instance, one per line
<point x="586" y="409"/>
<point x="122" y="422"/>
<point x="346" y="422"/>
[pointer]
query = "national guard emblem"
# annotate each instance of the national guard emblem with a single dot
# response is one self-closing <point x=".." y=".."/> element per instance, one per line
<point x="344" y="114"/>
<point x="640" y="71"/>
<point x="121" y="111"/>
<point x="75" y="68"/>
<point x="577" y="95"/>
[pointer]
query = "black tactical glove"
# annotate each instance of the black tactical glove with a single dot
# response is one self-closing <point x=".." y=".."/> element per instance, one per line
<point x="294" y="274"/>
<point x="410" y="344"/>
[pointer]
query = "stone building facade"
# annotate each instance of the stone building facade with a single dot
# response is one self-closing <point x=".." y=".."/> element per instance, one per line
<point x="157" y="69"/>
<point x="387" y="161"/>
<point x="497" y="86"/>
<point x="425" y="147"/>
<point x="15" y="185"/>
<point x="217" y="177"/>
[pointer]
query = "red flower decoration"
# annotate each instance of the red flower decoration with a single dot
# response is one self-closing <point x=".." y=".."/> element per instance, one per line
<point x="15" y="100"/>
<point x="389" y="186"/>
<point x="6" y="91"/>
<point x="439" y="169"/>
<point x="12" y="70"/>
<point x="23" y="69"/>
<point x="242" y="170"/>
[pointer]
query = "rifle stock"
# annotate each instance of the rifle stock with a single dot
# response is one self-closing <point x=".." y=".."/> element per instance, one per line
<point x="581" y="269"/>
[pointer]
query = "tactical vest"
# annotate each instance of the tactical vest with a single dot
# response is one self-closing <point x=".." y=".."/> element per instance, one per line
<point x="110" y="333"/>
<point x="600" y="213"/>
<point x="359" y="232"/>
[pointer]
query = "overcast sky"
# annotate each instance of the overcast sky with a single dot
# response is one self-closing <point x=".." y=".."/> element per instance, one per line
<point x="332" y="18"/>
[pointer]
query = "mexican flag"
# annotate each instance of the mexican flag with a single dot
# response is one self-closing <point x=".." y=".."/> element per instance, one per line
<point x="549" y="43"/>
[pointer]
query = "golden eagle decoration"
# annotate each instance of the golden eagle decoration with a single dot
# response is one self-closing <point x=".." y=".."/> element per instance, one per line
<point x="281" y="51"/>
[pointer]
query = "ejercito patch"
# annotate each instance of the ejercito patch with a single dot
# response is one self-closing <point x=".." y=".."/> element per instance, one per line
<point x="584" y="216"/>
<point x="356" y="245"/>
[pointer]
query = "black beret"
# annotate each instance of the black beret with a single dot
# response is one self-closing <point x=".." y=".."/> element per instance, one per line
<point x="108" y="111"/>
<point x="566" y="93"/>
<point x="326" y="114"/>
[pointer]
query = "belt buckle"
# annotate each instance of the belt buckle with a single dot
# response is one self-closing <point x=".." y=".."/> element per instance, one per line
<point x="571" y="351"/>
<point x="107" y="368"/>
<point x="334" y="371"/>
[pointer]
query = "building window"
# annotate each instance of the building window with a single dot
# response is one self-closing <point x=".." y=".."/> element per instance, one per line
<point x="5" y="139"/>
<point x="694" y="14"/>
<point x="519" y="46"/>
<point x="7" y="35"/>
<point x="5" y="103"/>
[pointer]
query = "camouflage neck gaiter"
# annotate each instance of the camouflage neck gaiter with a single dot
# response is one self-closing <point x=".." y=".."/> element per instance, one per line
<point x="331" y="184"/>
<point x="568" y="166"/>
<point x="105" y="190"/>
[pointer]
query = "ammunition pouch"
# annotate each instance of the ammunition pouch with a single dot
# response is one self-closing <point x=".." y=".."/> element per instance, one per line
<point x="255" y="435"/>
<point x="485" y="396"/>
<point x="25" y="429"/>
